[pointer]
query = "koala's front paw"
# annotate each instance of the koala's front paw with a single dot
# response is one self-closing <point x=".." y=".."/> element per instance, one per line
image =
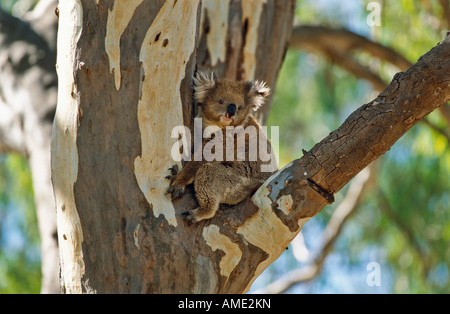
<point x="173" y="173"/>
<point x="176" y="191"/>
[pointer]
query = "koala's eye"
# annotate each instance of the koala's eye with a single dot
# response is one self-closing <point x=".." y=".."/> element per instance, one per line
<point x="240" y="108"/>
<point x="221" y="101"/>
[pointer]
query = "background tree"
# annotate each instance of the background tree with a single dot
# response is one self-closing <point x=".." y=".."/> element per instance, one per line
<point x="27" y="105"/>
<point x="331" y="115"/>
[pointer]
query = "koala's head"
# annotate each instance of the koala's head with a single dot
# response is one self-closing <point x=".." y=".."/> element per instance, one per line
<point x="227" y="103"/>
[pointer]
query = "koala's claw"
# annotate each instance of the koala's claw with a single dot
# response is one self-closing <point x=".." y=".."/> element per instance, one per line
<point x="174" y="170"/>
<point x="175" y="191"/>
<point x="173" y="173"/>
<point x="189" y="217"/>
<point x="170" y="178"/>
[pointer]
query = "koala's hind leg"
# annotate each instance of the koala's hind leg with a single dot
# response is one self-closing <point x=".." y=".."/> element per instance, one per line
<point x="216" y="183"/>
<point x="206" y="192"/>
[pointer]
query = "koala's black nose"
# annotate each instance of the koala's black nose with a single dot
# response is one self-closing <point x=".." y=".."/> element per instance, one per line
<point x="231" y="111"/>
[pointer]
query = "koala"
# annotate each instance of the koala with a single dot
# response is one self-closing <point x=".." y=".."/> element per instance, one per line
<point x="224" y="104"/>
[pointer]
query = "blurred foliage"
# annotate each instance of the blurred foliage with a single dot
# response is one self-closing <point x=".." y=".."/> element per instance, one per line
<point x="404" y="221"/>
<point x="20" y="266"/>
<point x="17" y="7"/>
<point x="19" y="237"/>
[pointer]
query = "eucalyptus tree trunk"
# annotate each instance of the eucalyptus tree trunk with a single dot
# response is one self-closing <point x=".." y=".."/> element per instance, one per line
<point x="125" y="81"/>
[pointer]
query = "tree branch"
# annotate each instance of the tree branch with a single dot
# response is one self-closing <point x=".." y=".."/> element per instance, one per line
<point x="301" y="189"/>
<point x="372" y="129"/>
<point x="329" y="41"/>
<point x="346" y="208"/>
<point x="336" y="45"/>
<point x="445" y="14"/>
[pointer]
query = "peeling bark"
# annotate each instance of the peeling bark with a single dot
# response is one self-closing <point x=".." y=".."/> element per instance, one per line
<point x="120" y="233"/>
<point x="64" y="149"/>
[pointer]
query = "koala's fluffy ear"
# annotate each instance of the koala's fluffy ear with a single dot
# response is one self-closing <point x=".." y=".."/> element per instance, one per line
<point x="204" y="81"/>
<point x="258" y="92"/>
